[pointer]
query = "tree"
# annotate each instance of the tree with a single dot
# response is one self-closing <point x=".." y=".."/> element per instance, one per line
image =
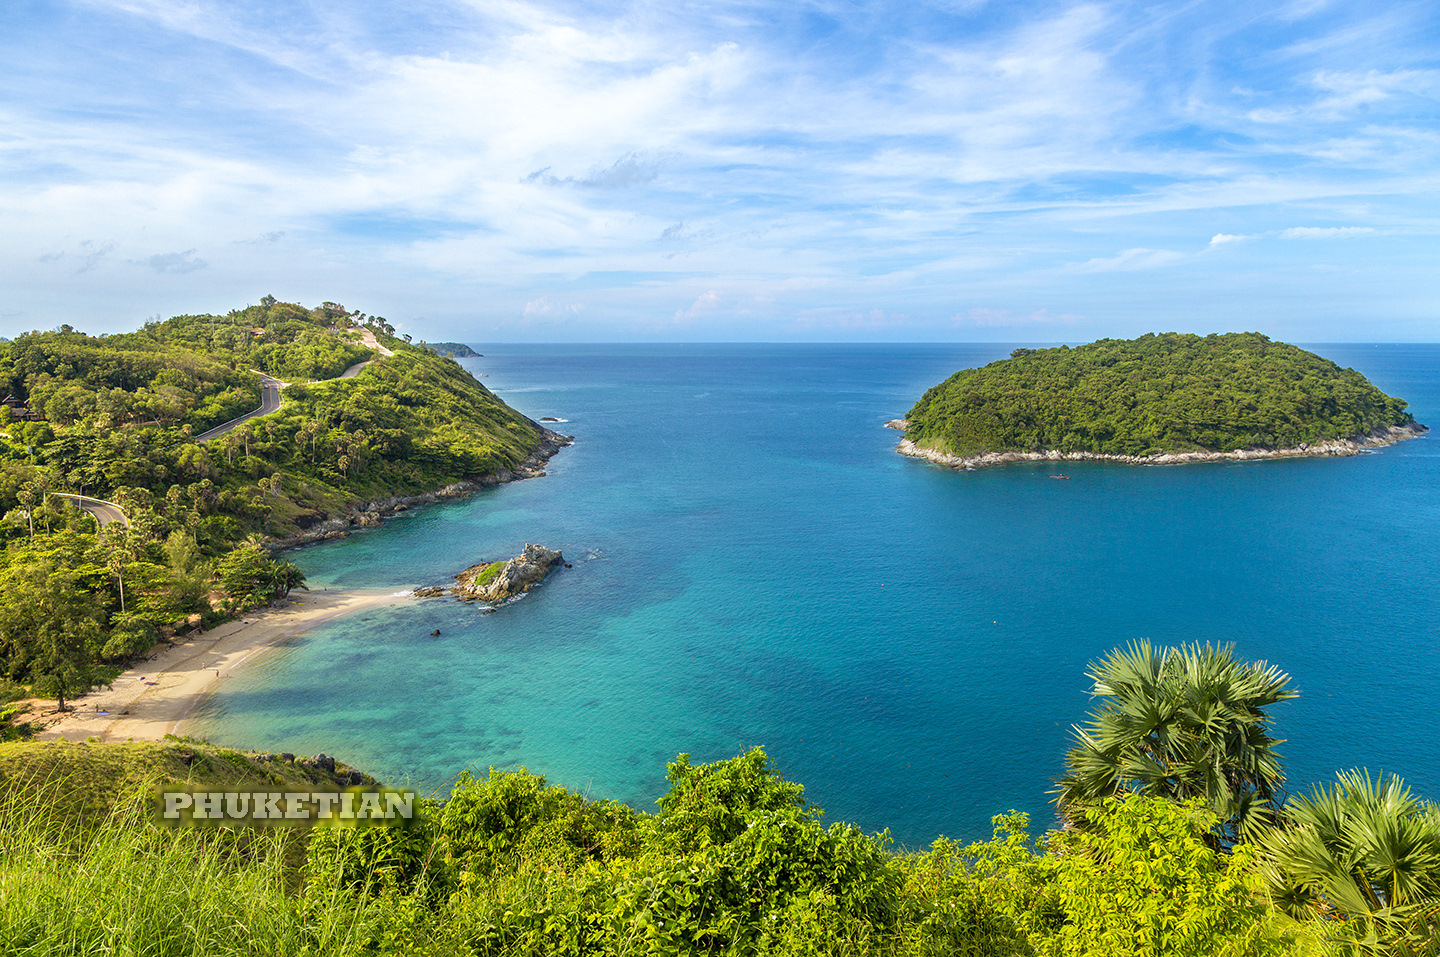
<point x="247" y="574"/>
<point x="287" y="577"/>
<point x="711" y="803"/>
<point x="1364" y="851"/>
<point x="48" y="623"/>
<point x="1180" y="723"/>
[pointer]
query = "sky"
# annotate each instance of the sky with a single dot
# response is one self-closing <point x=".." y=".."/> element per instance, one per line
<point x="513" y="171"/>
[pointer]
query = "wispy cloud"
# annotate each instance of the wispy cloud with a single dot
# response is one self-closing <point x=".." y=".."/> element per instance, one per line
<point x="1326" y="232"/>
<point x="857" y="161"/>
<point x="1131" y="260"/>
<point x="982" y="318"/>
<point x="175" y="263"/>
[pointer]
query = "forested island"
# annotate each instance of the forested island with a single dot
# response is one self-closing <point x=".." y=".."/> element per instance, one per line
<point x="451" y="350"/>
<point x="359" y="430"/>
<point x="1156" y="399"/>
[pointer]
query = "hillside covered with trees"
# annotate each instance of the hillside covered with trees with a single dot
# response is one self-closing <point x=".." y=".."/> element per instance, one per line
<point x="1155" y="394"/>
<point x="116" y="418"/>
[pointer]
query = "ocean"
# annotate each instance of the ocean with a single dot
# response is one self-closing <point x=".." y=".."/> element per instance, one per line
<point x="753" y="564"/>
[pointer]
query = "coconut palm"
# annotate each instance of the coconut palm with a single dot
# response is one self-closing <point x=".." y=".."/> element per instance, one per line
<point x="1365" y="854"/>
<point x="1180" y="723"/>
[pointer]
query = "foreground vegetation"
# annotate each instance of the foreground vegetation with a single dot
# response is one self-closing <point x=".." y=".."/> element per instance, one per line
<point x="114" y="417"/>
<point x="733" y="861"/>
<point x="1158" y="393"/>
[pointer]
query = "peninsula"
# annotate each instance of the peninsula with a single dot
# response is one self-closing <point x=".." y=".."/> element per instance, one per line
<point x="1158" y="399"/>
<point x="147" y="478"/>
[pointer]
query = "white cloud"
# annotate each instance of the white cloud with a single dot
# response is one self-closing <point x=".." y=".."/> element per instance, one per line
<point x="706" y="302"/>
<point x="175" y="263"/>
<point x="1326" y="232"/>
<point x="1131" y="260"/>
<point x="544" y="307"/>
<point x="501" y="150"/>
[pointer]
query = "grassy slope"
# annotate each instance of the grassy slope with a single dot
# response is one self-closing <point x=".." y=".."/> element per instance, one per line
<point x="90" y="779"/>
<point x="735" y="863"/>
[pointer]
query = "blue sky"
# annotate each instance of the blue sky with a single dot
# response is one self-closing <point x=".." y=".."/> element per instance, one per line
<point x="500" y="170"/>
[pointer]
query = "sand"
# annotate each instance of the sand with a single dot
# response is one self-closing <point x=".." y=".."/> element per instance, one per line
<point x="152" y="700"/>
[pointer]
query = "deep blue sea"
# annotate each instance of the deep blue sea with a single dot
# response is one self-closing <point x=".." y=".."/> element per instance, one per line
<point x="754" y="565"/>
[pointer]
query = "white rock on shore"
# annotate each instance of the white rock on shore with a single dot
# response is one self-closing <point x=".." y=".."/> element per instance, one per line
<point x="1384" y="435"/>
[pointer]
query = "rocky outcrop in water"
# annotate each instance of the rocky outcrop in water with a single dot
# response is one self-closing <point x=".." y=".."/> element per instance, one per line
<point x="498" y="582"/>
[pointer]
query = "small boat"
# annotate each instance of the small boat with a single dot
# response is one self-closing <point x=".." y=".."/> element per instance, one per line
<point x="1065" y="477"/>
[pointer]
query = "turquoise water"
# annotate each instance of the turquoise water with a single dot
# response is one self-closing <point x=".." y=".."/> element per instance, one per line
<point x="753" y="564"/>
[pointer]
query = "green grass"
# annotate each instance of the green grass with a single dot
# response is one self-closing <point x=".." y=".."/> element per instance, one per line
<point x="735" y="863"/>
<point x="488" y="575"/>
<point x="84" y="781"/>
<point x="130" y="886"/>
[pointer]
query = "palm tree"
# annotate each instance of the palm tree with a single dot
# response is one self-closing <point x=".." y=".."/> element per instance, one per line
<point x="1363" y="853"/>
<point x="1180" y="723"/>
<point x="288" y="576"/>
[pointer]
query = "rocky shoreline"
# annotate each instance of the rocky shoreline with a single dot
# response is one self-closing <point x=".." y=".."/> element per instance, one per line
<point x="1382" y="436"/>
<point x="371" y="514"/>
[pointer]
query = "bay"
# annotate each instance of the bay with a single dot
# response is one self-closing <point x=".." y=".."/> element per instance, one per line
<point x="754" y="565"/>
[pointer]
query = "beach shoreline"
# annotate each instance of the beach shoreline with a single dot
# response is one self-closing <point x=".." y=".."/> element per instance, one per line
<point x="1386" y="435"/>
<point x="157" y="697"/>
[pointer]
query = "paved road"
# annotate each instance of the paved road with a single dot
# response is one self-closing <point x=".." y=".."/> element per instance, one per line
<point x="269" y="402"/>
<point x="104" y="512"/>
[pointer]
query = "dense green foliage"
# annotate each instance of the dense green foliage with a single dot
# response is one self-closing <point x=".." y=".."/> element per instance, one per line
<point x="1158" y="393"/>
<point x="1366" y="849"/>
<point x="1181" y="723"/>
<point x="118" y="416"/>
<point x="734" y="862"/>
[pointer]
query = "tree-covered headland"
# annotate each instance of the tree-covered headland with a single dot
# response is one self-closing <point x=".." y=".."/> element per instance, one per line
<point x="1152" y="395"/>
<point x="115" y="417"/>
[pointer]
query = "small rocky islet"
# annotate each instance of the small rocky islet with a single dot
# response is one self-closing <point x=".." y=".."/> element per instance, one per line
<point x="498" y="582"/>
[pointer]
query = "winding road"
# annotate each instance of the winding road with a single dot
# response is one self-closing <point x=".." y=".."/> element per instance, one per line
<point x="269" y="402"/>
<point x="104" y="512"/>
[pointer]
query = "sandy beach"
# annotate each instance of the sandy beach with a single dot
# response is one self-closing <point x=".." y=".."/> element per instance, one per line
<point x="152" y="700"/>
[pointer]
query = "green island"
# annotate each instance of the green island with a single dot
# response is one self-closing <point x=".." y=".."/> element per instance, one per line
<point x="1156" y="399"/>
<point x="1175" y="835"/>
<point x="451" y="350"/>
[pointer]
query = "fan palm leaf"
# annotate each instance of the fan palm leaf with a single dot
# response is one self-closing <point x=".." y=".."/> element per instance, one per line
<point x="1180" y="723"/>
<point x="1366" y="853"/>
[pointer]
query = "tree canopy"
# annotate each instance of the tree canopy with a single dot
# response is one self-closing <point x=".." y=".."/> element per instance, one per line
<point x="1159" y="393"/>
